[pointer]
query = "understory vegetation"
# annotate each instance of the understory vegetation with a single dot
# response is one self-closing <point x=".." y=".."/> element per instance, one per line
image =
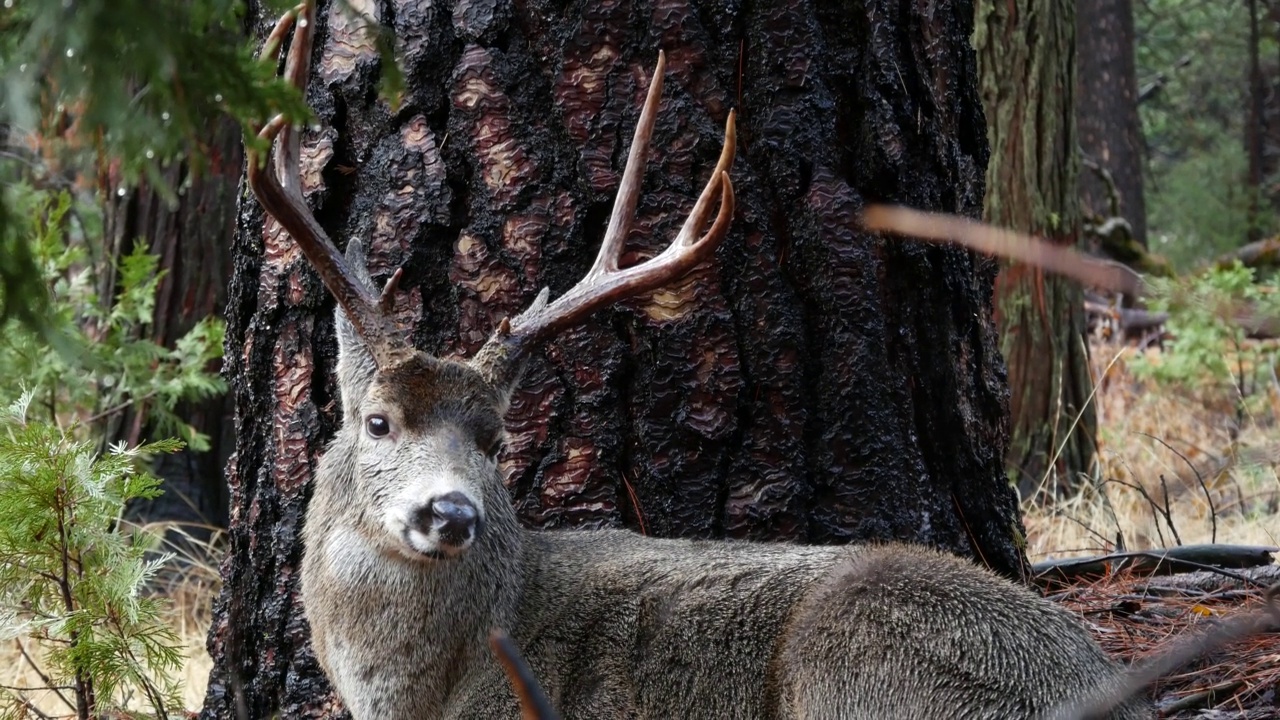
<point x="1187" y="441"/>
<point x="87" y="635"/>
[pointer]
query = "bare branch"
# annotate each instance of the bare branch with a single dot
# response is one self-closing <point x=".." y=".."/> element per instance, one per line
<point x="533" y="702"/>
<point x="990" y="240"/>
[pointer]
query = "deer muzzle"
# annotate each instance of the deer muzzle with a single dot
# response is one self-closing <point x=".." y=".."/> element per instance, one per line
<point x="451" y="519"/>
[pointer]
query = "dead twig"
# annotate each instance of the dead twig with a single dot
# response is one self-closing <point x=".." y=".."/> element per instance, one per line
<point x="1183" y="651"/>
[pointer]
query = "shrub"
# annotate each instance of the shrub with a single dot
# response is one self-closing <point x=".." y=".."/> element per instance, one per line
<point x="1209" y="355"/>
<point x="71" y="578"/>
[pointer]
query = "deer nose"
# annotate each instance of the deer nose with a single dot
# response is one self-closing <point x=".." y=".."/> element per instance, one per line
<point x="453" y="516"/>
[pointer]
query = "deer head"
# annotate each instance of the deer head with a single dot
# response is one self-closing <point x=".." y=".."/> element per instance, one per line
<point x="425" y="432"/>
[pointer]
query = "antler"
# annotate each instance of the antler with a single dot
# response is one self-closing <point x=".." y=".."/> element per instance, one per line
<point x="605" y="283"/>
<point x="533" y="702"/>
<point x="278" y="187"/>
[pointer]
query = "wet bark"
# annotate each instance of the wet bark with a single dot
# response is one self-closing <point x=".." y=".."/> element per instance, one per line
<point x="1110" y="131"/>
<point x="813" y="384"/>
<point x="1026" y="50"/>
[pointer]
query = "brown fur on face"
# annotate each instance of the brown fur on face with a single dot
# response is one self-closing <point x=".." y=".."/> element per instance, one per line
<point x="427" y="391"/>
<point x="421" y="437"/>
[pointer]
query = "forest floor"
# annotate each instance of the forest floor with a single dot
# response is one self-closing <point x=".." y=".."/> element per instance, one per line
<point x="1173" y="468"/>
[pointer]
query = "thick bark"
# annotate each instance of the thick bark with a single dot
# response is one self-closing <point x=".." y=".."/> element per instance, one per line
<point x="1110" y="132"/>
<point x="193" y="241"/>
<point x="1026" y="50"/>
<point x="812" y="384"/>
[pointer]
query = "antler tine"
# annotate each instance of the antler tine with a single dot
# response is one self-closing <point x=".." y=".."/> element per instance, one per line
<point x="277" y="184"/>
<point x="605" y="284"/>
<point x="533" y="702"/>
<point x="624" y="205"/>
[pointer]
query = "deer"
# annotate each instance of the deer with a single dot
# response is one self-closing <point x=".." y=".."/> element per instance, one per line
<point x="412" y="551"/>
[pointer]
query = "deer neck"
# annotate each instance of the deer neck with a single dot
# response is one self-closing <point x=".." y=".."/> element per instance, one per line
<point x="487" y="582"/>
<point x="463" y="599"/>
<point x="356" y="583"/>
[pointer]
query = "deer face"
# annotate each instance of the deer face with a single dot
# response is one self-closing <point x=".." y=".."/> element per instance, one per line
<point x="427" y="436"/>
<point x="426" y="432"/>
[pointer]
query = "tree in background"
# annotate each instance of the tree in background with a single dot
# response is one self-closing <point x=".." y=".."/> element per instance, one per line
<point x="1193" y="69"/>
<point x="1110" y="132"/>
<point x="813" y="384"/>
<point x="148" y="132"/>
<point x="1026" y="52"/>
<point x="191" y="236"/>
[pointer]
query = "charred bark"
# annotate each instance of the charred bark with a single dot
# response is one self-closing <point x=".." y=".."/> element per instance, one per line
<point x="1110" y="131"/>
<point x="813" y="384"/>
<point x="1027" y="53"/>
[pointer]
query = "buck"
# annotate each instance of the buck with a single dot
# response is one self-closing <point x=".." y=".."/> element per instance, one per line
<point x="413" y="551"/>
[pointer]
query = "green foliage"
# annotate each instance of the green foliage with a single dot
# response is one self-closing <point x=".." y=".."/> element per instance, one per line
<point x="71" y="579"/>
<point x="21" y="294"/>
<point x="118" y="86"/>
<point x="103" y="364"/>
<point x="140" y="77"/>
<point x="1200" y="204"/>
<point x="1208" y="355"/>
<point x="1197" y="193"/>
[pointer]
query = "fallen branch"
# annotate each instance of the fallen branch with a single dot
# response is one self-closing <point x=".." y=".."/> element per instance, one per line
<point x="1260" y="253"/>
<point x="1203" y="699"/>
<point x="1127" y="319"/>
<point x="1184" y="558"/>
<point x="1210" y="585"/>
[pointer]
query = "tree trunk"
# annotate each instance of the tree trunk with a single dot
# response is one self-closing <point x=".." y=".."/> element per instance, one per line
<point x="1026" y="49"/>
<point x="1107" y="113"/>
<point x="813" y="383"/>
<point x="1255" y="132"/>
<point x="193" y="241"/>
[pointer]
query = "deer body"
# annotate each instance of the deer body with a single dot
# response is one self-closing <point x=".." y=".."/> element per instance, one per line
<point x="615" y="625"/>
<point x="412" y="551"/>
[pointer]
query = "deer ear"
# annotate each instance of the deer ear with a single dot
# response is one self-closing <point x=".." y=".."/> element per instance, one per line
<point x="356" y="366"/>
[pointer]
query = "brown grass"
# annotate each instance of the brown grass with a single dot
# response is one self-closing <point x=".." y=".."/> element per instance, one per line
<point x="1174" y="466"/>
<point x="1161" y="452"/>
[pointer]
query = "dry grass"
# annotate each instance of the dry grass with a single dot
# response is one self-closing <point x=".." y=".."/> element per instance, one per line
<point x="191" y="583"/>
<point x="1172" y="469"/>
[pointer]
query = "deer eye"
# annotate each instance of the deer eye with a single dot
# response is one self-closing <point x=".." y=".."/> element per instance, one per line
<point x="377" y="426"/>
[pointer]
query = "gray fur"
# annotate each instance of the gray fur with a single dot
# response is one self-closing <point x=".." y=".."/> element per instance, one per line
<point x="615" y="625"/>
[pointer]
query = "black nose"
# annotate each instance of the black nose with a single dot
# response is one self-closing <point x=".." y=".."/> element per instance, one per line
<point x="452" y="515"/>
